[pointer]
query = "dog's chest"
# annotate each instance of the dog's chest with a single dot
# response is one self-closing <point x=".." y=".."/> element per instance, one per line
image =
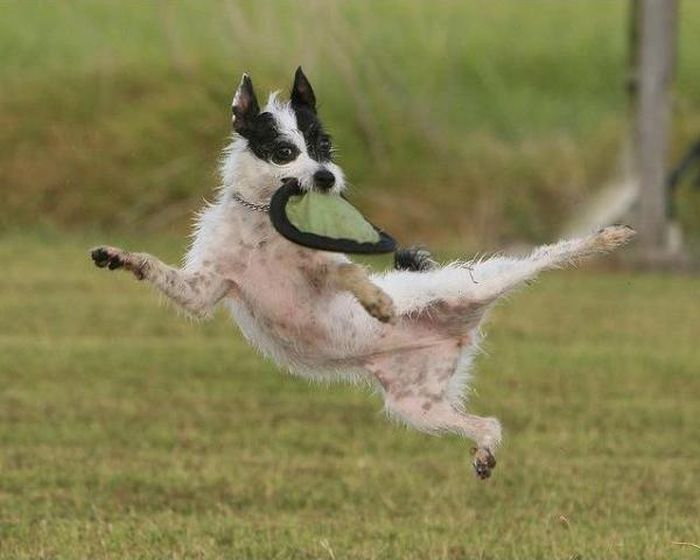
<point x="282" y="299"/>
<point x="284" y="294"/>
<point x="273" y="275"/>
<point x="285" y="281"/>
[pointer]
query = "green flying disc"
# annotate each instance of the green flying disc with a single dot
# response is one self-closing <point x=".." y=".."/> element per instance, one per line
<point x="325" y="221"/>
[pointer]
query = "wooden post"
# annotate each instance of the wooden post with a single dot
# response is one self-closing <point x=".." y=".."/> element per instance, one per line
<point x="657" y="22"/>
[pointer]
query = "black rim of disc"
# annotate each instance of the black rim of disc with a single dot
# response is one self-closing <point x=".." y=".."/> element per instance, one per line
<point x="278" y="217"/>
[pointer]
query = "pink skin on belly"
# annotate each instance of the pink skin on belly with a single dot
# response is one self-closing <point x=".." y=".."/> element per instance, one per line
<point x="286" y="290"/>
<point x="287" y="294"/>
<point x="295" y="305"/>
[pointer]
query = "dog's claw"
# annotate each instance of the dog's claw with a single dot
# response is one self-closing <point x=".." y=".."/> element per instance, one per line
<point x="484" y="462"/>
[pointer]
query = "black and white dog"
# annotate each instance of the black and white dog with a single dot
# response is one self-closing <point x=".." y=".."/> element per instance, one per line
<point x="412" y="334"/>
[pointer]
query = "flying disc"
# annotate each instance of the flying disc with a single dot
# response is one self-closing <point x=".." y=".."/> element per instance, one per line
<point x="325" y="221"/>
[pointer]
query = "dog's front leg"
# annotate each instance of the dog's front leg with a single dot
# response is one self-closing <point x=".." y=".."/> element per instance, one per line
<point x="196" y="292"/>
<point x="354" y="279"/>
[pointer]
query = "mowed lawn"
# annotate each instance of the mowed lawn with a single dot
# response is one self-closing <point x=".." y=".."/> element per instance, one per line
<point x="128" y="431"/>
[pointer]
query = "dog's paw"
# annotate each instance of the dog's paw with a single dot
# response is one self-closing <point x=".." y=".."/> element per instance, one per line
<point x="484" y="462"/>
<point x="108" y="257"/>
<point x="114" y="258"/>
<point x="381" y="307"/>
<point x="612" y="237"/>
<point x="414" y="259"/>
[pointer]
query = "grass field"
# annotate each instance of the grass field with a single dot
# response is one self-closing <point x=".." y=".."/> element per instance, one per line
<point x="129" y="432"/>
<point x="494" y="120"/>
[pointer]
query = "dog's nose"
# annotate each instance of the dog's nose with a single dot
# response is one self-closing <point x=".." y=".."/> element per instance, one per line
<point x="324" y="179"/>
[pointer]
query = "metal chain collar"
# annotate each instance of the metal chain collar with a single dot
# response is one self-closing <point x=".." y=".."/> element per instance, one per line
<point x="250" y="205"/>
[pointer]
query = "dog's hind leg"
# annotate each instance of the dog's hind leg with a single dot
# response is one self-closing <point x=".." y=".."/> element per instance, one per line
<point x="495" y="277"/>
<point x="470" y="288"/>
<point x="421" y="388"/>
<point x="433" y="413"/>
<point x="196" y="292"/>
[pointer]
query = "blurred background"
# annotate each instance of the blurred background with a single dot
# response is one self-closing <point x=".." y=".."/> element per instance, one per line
<point x="484" y="124"/>
<point x="127" y="431"/>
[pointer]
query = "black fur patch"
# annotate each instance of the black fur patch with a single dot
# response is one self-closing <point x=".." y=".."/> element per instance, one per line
<point x="318" y="143"/>
<point x="264" y="137"/>
<point x="245" y="105"/>
<point x="415" y="259"/>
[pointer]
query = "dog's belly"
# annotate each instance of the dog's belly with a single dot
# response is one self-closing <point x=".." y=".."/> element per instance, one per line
<point x="299" y="341"/>
<point x="336" y="334"/>
<point x="300" y="322"/>
<point x="297" y="324"/>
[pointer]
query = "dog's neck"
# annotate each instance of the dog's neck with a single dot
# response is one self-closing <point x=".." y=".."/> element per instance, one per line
<point x="238" y="197"/>
<point x="246" y="180"/>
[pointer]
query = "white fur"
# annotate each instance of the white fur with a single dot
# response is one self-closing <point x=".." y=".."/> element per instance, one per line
<point x="284" y="302"/>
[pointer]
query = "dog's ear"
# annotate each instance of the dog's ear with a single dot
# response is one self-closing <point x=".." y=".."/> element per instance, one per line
<point x="302" y="92"/>
<point x="245" y="105"/>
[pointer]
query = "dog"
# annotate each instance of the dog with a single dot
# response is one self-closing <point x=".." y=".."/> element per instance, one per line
<point x="411" y="332"/>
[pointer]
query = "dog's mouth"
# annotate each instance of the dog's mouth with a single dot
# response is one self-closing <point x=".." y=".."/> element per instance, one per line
<point x="323" y="180"/>
<point x="300" y="187"/>
<point x="296" y="184"/>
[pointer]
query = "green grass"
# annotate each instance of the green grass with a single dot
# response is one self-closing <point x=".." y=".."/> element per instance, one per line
<point x="495" y="120"/>
<point x="127" y="431"/>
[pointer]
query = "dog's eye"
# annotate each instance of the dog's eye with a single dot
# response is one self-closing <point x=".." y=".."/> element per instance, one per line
<point x="324" y="144"/>
<point x="284" y="154"/>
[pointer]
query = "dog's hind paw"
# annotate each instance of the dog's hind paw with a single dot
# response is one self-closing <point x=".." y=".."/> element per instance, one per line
<point x="611" y="237"/>
<point x="484" y="462"/>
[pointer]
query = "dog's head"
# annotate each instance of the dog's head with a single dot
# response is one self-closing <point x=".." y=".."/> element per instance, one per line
<point x="284" y="139"/>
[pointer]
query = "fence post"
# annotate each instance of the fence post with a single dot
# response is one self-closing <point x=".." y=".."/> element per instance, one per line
<point x="656" y="37"/>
